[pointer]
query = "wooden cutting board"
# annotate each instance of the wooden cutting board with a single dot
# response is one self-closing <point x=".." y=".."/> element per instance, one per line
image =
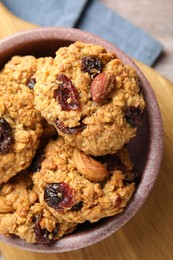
<point x="149" y="235"/>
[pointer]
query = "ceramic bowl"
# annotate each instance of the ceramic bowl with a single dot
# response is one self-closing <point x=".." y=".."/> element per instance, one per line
<point x="145" y="149"/>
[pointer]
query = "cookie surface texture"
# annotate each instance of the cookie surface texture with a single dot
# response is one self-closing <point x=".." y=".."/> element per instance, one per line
<point x="74" y="195"/>
<point x="91" y="97"/>
<point x="20" y="128"/>
<point x="22" y="69"/>
<point x="22" y="215"/>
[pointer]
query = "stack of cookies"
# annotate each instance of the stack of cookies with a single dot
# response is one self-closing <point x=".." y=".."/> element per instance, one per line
<point x="64" y="124"/>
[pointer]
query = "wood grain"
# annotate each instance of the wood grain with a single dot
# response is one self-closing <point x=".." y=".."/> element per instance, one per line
<point x="11" y="23"/>
<point x="149" y="234"/>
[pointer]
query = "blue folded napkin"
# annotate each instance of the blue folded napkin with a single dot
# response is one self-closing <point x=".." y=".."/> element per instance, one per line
<point x="91" y="16"/>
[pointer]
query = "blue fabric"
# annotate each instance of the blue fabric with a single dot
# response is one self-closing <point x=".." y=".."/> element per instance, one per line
<point x="47" y="12"/>
<point x="91" y="16"/>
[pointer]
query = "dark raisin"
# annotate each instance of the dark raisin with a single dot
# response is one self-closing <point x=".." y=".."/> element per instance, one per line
<point x="78" y="206"/>
<point x="35" y="165"/>
<point x="43" y="236"/>
<point x="112" y="162"/>
<point x="92" y="65"/>
<point x="6" y="139"/>
<point x="69" y="130"/>
<point x="133" y="115"/>
<point x="59" y="196"/>
<point x="66" y="94"/>
<point x="31" y="82"/>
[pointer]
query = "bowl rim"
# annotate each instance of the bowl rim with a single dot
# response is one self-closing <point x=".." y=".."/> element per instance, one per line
<point x="155" y="148"/>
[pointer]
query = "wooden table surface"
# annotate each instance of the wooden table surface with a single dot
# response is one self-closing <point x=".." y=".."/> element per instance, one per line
<point x="149" y="234"/>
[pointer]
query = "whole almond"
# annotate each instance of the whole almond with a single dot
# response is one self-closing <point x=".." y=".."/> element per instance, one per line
<point x="102" y="86"/>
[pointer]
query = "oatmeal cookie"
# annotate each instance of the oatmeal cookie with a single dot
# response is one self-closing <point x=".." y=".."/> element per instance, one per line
<point x="22" y="68"/>
<point x="20" y="128"/>
<point x="91" y="97"/>
<point x="76" y="187"/>
<point x="23" y="216"/>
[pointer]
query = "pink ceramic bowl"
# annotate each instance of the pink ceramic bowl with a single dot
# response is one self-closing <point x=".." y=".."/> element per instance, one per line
<point x="146" y="148"/>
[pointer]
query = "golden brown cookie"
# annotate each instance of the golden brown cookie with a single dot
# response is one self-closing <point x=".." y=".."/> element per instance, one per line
<point x="22" y="69"/>
<point x="23" y="216"/>
<point x="91" y="97"/>
<point x="76" y="187"/>
<point x="20" y="128"/>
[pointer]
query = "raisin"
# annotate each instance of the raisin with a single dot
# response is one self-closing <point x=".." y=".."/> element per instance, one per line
<point x="69" y="130"/>
<point x="31" y="82"/>
<point x="133" y="115"/>
<point x="92" y="65"/>
<point x="6" y="139"/>
<point x="78" y="206"/>
<point x="112" y="162"/>
<point x="66" y="94"/>
<point x="43" y="236"/>
<point x="59" y="196"/>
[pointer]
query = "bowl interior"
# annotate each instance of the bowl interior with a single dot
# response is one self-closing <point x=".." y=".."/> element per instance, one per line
<point x="45" y="42"/>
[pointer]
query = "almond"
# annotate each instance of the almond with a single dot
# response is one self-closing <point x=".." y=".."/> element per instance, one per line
<point x="88" y="167"/>
<point x="102" y="86"/>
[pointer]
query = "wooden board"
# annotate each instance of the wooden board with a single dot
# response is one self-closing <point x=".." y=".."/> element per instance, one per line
<point x="149" y="235"/>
